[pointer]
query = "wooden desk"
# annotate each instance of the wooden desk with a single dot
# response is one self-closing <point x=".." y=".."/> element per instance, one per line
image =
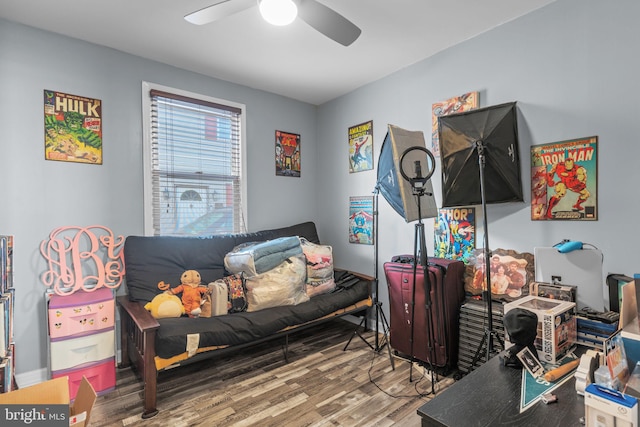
<point x="490" y="396"/>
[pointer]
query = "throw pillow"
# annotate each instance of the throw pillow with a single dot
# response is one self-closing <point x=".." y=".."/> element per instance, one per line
<point x="320" y="278"/>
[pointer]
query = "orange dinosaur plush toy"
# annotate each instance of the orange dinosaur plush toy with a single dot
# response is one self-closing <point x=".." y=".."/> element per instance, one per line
<point x="191" y="292"/>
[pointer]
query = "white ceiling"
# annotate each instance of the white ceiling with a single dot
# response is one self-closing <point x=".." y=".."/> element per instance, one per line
<point x="293" y="61"/>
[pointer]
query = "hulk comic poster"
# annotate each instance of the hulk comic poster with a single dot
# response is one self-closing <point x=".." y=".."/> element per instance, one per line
<point x="73" y="128"/>
<point x="564" y="180"/>
<point x="361" y="147"/>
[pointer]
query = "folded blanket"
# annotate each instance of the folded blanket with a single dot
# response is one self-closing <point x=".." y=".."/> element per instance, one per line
<point x="257" y="258"/>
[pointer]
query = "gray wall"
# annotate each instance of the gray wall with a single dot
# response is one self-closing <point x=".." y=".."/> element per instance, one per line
<point x="42" y="195"/>
<point x="572" y="68"/>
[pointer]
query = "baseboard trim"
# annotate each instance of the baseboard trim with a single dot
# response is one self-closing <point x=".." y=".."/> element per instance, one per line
<point x="27" y="379"/>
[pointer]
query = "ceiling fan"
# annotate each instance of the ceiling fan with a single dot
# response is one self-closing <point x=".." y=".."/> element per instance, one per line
<point x="324" y="19"/>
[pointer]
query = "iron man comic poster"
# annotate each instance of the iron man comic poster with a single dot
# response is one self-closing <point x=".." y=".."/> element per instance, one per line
<point x="564" y="180"/>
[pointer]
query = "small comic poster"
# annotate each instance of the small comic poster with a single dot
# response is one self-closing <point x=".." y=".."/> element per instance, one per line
<point x="361" y="220"/>
<point x="72" y="128"/>
<point x="454" y="233"/>
<point x="564" y="183"/>
<point x="361" y="147"/>
<point x="287" y="154"/>
<point x="457" y="104"/>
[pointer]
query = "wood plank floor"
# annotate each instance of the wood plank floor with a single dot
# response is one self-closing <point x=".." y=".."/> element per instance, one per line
<point x="321" y="385"/>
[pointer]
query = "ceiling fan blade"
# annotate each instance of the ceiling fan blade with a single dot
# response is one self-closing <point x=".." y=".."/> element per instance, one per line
<point x="218" y="10"/>
<point x="328" y="22"/>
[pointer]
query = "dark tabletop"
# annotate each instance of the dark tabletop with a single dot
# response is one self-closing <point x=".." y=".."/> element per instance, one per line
<point x="490" y="396"/>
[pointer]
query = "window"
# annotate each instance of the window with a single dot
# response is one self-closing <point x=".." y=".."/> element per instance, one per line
<point x="194" y="182"/>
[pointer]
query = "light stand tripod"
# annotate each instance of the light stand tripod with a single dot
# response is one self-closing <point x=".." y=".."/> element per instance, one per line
<point x="377" y="305"/>
<point x="491" y="133"/>
<point x="420" y="257"/>
<point x="489" y="333"/>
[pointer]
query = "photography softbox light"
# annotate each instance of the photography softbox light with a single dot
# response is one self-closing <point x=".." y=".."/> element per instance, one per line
<point x="393" y="187"/>
<point x="493" y="129"/>
<point x="481" y="165"/>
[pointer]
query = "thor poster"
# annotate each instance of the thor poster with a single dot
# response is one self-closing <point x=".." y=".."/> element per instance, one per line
<point x="564" y="180"/>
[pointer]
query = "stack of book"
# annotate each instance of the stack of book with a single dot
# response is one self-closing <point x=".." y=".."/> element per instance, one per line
<point x="7" y="292"/>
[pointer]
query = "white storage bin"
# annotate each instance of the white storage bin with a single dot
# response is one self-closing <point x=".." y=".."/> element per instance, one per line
<point x="73" y="352"/>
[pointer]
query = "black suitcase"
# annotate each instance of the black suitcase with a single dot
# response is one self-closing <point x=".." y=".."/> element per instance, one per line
<point x="435" y="339"/>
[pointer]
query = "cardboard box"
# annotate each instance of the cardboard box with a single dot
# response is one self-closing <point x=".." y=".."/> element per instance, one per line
<point x="556" y="326"/>
<point x="52" y="392"/>
<point x="606" y="407"/>
<point x="553" y="290"/>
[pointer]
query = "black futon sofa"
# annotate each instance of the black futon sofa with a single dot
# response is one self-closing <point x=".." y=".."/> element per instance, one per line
<point x="153" y="345"/>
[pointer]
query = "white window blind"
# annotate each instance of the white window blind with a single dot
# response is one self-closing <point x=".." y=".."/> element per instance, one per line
<point x="195" y="166"/>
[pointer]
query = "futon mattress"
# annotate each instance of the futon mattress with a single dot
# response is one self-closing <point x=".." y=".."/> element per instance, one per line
<point x="241" y="328"/>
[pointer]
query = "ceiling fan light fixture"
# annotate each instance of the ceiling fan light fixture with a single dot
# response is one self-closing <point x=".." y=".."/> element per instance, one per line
<point x="278" y="12"/>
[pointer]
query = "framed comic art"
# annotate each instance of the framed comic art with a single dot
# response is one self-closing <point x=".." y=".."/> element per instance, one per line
<point x="511" y="273"/>
<point x="564" y="180"/>
<point x="454" y="233"/>
<point x="72" y="128"/>
<point x="457" y="104"/>
<point x="361" y="220"/>
<point x="361" y="147"/>
<point x="287" y="154"/>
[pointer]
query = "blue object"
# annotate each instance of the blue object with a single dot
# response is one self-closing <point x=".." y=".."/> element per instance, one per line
<point x="568" y="246"/>
<point x="612" y="395"/>
<point x="394" y="188"/>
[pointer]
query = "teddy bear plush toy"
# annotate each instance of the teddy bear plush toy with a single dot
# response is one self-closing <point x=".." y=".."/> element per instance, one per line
<point x="191" y="292"/>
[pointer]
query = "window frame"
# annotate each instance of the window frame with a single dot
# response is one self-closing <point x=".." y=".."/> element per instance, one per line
<point x="147" y="155"/>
